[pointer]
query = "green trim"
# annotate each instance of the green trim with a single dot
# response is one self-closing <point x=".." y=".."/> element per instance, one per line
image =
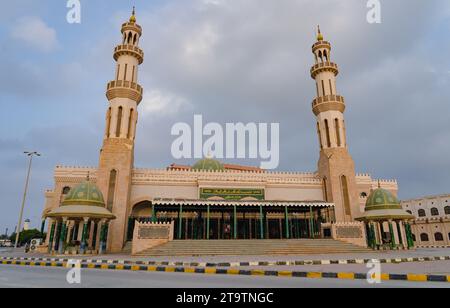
<point x="180" y="222"/>
<point x="286" y="218"/>
<point x="235" y="222"/>
<point x="208" y="222"/>
<point x="391" y="230"/>
<point x="261" y="221"/>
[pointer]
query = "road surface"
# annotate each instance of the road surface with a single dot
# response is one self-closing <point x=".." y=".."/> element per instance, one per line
<point x="38" y="277"/>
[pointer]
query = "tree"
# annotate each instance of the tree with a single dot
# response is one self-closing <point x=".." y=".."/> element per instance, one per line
<point x="26" y="236"/>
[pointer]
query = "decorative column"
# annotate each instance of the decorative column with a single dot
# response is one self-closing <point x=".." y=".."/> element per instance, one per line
<point x="235" y="222"/>
<point x="261" y="221"/>
<point x="52" y="236"/>
<point x="401" y="234"/>
<point x="180" y="222"/>
<point x="153" y="214"/>
<point x="42" y="226"/>
<point x="409" y="235"/>
<point x="62" y="238"/>
<point x="286" y="217"/>
<point x="373" y="235"/>
<point x="84" y="236"/>
<point x="102" y="244"/>
<point x="391" y="231"/>
<point x="311" y="223"/>
<point x="208" y="222"/>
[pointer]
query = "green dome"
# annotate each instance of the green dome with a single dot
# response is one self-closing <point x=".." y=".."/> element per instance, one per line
<point x="85" y="193"/>
<point x="382" y="199"/>
<point x="208" y="164"/>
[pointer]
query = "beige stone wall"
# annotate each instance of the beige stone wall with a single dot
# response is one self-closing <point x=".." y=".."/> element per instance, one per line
<point x="430" y="227"/>
<point x="151" y="239"/>
<point x="350" y="232"/>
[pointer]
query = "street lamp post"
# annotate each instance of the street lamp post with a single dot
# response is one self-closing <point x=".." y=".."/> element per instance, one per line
<point x="19" y="224"/>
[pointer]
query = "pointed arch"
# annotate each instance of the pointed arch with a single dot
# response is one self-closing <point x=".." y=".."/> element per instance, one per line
<point x="327" y="130"/>
<point x="345" y="195"/>
<point x="130" y="123"/>
<point x="119" y="121"/>
<point x="338" y="132"/>
<point x="108" y="122"/>
<point x="111" y="189"/>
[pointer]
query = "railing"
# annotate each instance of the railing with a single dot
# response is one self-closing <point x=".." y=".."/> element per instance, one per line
<point x="328" y="98"/>
<point x="324" y="66"/>
<point x="125" y="84"/>
<point x="129" y="48"/>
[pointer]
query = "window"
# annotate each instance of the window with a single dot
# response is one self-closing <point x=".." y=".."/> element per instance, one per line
<point x="320" y="135"/>
<point x="447" y="210"/>
<point x="66" y="190"/>
<point x="338" y="135"/>
<point x="130" y="123"/>
<point x="327" y="128"/>
<point x="323" y="88"/>
<point x="119" y="122"/>
<point x="438" y="237"/>
<point x="108" y="122"/>
<point x="345" y="194"/>
<point x="414" y="237"/>
<point x="112" y="189"/>
<point x="434" y="212"/>
<point x="422" y="213"/>
<point x="363" y="195"/>
<point x="424" y="237"/>
<point x="409" y="212"/>
<point x="325" y="190"/>
<point x="331" y="87"/>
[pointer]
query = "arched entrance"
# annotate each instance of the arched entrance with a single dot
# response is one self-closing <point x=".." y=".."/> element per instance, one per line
<point x="142" y="212"/>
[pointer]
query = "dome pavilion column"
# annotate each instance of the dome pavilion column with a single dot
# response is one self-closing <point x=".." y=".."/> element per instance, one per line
<point x="62" y="237"/>
<point x="392" y="234"/>
<point x="400" y="233"/>
<point x="51" y="235"/>
<point x="409" y="235"/>
<point x="84" y="235"/>
<point x="91" y="235"/>
<point x="102" y="242"/>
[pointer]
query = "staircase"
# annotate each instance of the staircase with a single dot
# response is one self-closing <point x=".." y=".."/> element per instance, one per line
<point x="252" y="247"/>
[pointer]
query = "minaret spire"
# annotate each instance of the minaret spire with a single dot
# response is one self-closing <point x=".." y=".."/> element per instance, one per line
<point x="319" y="34"/>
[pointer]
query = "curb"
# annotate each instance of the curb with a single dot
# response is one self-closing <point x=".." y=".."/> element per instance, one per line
<point x="214" y="271"/>
<point x="234" y="264"/>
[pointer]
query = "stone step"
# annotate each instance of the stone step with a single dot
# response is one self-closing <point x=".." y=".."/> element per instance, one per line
<point x="251" y="247"/>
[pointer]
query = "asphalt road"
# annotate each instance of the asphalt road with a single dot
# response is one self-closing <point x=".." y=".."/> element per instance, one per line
<point x="37" y="277"/>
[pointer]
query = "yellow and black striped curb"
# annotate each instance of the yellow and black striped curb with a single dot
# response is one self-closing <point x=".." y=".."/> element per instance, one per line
<point x="234" y="264"/>
<point x="215" y="271"/>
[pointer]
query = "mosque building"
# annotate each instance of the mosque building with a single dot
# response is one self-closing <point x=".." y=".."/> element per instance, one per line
<point x="98" y="209"/>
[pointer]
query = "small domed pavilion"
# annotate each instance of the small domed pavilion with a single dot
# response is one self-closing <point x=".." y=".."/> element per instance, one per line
<point x="387" y="223"/>
<point x="81" y="222"/>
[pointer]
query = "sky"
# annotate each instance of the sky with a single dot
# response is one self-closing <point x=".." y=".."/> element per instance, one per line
<point x="230" y="61"/>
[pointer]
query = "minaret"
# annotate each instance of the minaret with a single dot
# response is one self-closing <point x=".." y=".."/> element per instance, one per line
<point x="117" y="154"/>
<point x="336" y="166"/>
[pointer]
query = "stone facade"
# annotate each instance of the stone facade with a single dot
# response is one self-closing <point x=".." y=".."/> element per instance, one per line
<point x="432" y="225"/>
<point x="124" y="186"/>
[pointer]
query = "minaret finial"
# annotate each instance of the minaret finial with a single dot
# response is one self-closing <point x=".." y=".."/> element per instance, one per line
<point x="319" y="34"/>
<point x="133" y="15"/>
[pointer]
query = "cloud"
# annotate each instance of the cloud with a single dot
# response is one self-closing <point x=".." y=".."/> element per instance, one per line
<point x="35" y="33"/>
<point x="158" y="103"/>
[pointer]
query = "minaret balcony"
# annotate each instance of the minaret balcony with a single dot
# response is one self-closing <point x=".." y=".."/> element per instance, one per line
<point x="327" y="103"/>
<point x="321" y="45"/>
<point x="131" y="26"/>
<point x="129" y="50"/>
<point x="324" y="67"/>
<point x="124" y="89"/>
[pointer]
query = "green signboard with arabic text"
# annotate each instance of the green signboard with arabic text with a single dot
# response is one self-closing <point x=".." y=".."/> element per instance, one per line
<point x="231" y="194"/>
